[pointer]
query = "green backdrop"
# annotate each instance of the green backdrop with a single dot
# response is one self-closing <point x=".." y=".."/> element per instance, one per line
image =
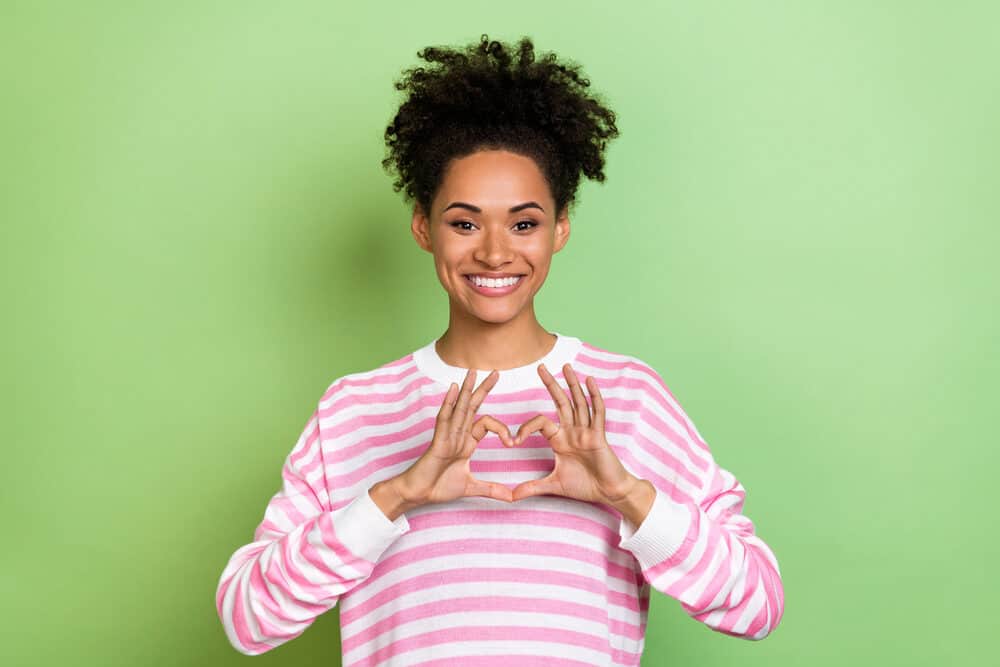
<point x="198" y="237"/>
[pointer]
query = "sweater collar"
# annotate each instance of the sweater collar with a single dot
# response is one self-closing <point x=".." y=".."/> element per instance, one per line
<point x="564" y="351"/>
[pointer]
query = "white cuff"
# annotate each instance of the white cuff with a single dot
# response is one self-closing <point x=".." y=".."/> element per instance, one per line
<point x="662" y="531"/>
<point x="365" y="530"/>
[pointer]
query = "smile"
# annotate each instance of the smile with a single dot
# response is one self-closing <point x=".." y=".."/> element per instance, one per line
<point x="493" y="286"/>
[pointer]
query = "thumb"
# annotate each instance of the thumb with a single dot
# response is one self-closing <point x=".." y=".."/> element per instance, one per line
<point x="535" y="487"/>
<point x="495" y="490"/>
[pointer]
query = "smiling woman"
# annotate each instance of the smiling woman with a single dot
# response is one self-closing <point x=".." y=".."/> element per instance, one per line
<point x="492" y="257"/>
<point x="524" y="520"/>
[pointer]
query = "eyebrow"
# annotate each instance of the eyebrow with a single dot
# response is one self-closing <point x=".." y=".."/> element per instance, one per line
<point x="476" y="209"/>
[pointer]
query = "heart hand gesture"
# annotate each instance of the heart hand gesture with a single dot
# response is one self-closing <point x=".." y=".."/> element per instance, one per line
<point x="442" y="472"/>
<point x="585" y="466"/>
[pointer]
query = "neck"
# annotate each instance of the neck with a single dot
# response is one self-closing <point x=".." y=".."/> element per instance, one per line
<point x="472" y="343"/>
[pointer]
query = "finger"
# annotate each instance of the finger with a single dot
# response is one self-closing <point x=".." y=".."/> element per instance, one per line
<point x="537" y="423"/>
<point x="582" y="411"/>
<point x="563" y="406"/>
<point x="479" y="395"/>
<point x="535" y="487"/>
<point x="447" y="406"/>
<point x="462" y="406"/>
<point x="598" y="401"/>
<point x="527" y="428"/>
<point x="491" y="423"/>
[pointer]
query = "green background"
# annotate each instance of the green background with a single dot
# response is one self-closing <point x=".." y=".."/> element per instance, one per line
<point x="800" y="219"/>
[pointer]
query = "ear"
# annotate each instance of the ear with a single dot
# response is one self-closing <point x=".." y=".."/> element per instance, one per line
<point x="562" y="231"/>
<point x="420" y="227"/>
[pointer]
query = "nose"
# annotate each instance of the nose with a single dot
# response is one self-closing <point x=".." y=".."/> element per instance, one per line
<point x="493" y="250"/>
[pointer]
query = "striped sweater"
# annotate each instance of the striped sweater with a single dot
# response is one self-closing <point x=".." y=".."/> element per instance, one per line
<point x="478" y="582"/>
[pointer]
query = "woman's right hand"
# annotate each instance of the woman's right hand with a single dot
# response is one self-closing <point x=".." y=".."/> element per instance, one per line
<point x="442" y="472"/>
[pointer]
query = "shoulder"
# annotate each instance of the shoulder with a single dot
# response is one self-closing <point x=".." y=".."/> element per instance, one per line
<point x="620" y="367"/>
<point x="390" y="381"/>
<point x="639" y="380"/>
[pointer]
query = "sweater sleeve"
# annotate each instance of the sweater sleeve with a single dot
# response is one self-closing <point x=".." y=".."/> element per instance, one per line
<point x="304" y="554"/>
<point x="697" y="545"/>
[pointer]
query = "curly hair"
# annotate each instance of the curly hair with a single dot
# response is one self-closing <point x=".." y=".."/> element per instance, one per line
<point x="488" y="95"/>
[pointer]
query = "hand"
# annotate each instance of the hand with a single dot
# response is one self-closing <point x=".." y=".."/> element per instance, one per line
<point x="585" y="466"/>
<point x="442" y="472"/>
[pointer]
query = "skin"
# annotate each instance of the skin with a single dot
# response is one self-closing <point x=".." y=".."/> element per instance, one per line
<point x="502" y="333"/>
<point x="490" y="332"/>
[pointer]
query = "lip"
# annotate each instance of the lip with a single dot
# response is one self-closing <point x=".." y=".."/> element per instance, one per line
<point x="487" y="274"/>
<point x="493" y="291"/>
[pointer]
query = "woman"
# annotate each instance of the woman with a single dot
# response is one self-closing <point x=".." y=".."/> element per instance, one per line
<point x="522" y="522"/>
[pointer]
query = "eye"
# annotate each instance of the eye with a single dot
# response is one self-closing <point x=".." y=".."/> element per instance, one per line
<point x="457" y="225"/>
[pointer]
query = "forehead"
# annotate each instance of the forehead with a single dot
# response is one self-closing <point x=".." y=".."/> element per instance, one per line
<point x="493" y="180"/>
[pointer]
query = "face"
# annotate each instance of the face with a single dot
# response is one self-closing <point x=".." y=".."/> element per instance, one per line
<point x="492" y="215"/>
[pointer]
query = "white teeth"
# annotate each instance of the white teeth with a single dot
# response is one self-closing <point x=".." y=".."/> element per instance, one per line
<point x="495" y="282"/>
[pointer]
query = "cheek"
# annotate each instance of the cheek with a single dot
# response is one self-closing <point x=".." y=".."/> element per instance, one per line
<point x="446" y="268"/>
<point x="541" y="274"/>
<point x="540" y="256"/>
<point x="442" y="273"/>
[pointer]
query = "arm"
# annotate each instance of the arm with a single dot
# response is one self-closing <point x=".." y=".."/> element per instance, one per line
<point x="304" y="554"/>
<point x="694" y="543"/>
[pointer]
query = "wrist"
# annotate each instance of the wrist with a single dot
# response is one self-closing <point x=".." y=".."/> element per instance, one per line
<point x="635" y="504"/>
<point x="620" y="493"/>
<point x="392" y="497"/>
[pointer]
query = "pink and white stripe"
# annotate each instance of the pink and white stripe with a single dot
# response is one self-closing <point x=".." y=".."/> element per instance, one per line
<point x="477" y="582"/>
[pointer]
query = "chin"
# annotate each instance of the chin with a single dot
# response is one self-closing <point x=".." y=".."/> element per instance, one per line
<point x="493" y="316"/>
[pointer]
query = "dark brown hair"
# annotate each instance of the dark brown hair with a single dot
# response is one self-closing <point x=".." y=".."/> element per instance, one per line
<point x="488" y="95"/>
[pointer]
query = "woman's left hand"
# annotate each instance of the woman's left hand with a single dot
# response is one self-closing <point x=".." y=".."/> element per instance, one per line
<point x="585" y="466"/>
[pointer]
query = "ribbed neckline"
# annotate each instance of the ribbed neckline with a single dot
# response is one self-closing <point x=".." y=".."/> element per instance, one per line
<point x="511" y="379"/>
